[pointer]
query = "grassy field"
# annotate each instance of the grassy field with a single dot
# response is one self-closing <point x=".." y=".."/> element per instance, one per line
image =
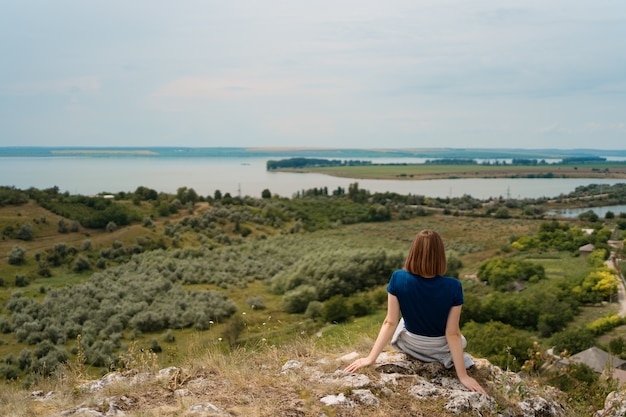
<point x="473" y="239"/>
<point x="434" y="171"/>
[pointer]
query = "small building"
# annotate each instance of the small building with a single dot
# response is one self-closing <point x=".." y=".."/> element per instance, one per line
<point x="586" y="249"/>
<point x="598" y="360"/>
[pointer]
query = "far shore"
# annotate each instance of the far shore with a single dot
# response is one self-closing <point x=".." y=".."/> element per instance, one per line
<point x="102" y="152"/>
<point x="431" y="172"/>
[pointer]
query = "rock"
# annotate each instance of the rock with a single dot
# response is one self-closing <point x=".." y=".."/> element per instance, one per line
<point x="338" y="400"/>
<point x="82" y="412"/>
<point x="470" y="402"/>
<point x="207" y="410"/>
<point x="348" y="358"/>
<point x="365" y="397"/>
<point x="614" y="405"/>
<point x="183" y="392"/>
<point x="291" y="365"/>
<point x="537" y="406"/>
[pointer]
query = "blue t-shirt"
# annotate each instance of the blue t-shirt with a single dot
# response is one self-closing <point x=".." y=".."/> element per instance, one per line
<point x="425" y="302"/>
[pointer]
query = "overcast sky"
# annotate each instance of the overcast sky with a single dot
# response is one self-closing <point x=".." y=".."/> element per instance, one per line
<point x="352" y="74"/>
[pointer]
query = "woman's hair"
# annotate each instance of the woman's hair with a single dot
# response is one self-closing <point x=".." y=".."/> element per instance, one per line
<point x="427" y="256"/>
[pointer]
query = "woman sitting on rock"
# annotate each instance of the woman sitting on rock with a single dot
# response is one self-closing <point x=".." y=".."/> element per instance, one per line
<point x="430" y="304"/>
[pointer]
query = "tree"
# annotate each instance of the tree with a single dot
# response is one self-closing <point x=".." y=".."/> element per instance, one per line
<point x="501" y="272"/>
<point x="588" y="216"/>
<point x="502" y="344"/>
<point x="266" y="194"/>
<point x="573" y="340"/>
<point x="502" y="213"/>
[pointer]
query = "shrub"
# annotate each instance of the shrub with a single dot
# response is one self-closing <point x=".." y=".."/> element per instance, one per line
<point x="62" y="226"/>
<point x="314" y="309"/>
<point x="82" y="264"/>
<point x="8" y="372"/>
<point x="155" y="347"/>
<point x="21" y="281"/>
<point x="336" y="309"/>
<point x="168" y="337"/>
<point x="361" y="305"/>
<point x="86" y="245"/>
<point x="16" y="255"/>
<point x="25" y="232"/>
<point x="297" y="300"/>
<point x="573" y="340"/>
<point x="74" y="226"/>
<point x="256" y="303"/>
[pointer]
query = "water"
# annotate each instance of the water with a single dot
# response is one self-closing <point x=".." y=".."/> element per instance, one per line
<point x="247" y="176"/>
<point x="600" y="211"/>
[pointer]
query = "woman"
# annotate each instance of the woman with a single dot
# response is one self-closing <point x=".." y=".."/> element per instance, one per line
<point x="430" y="305"/>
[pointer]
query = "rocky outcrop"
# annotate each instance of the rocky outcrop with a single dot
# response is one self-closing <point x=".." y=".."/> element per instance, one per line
<point x="394" y="379"/>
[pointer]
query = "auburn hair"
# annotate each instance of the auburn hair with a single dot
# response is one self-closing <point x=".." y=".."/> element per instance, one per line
<point x="427" y="256"/>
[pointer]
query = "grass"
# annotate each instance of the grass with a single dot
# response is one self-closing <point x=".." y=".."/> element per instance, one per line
<point x="423" y="171"/>
<point x="270" y="336"/>
<point x="475" y="239"/>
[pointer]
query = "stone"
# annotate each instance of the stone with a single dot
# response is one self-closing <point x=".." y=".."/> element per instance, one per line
<point x="207" y="410"/>
<point x="337" y="400"/>
<point x="365" y="397"/>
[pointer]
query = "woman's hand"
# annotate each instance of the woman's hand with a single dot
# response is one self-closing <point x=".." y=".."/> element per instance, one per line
<point x="359" y="363"/>
<point x="471" y="384"/>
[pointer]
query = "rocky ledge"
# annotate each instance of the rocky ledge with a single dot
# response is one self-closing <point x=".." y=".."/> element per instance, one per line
<point x="391" y="388"/>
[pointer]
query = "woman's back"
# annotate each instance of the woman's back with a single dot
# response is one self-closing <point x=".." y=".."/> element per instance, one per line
<point x="425" y="302"/>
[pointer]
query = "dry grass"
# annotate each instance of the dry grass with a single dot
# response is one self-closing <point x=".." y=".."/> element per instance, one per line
<point x="244" y="382"/>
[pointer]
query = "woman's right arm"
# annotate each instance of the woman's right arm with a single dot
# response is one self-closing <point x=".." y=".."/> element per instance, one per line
<point x="455" y="343"/>
<point x="384" y="335"/>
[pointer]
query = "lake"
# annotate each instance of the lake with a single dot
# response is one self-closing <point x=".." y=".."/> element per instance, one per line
<point x="247" y="176"/>
<point x="600" y="211"/>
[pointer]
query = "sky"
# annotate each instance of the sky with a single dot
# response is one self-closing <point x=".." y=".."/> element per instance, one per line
<point x="343" y="73"/>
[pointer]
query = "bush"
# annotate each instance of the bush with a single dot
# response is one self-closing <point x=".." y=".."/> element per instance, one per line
<point x="168" y="337"/>
<point x="82" y="264"/>
<point x="155" y="347"/>
<point x="501" y="343"/>
<point x="256" y="303"/>
<point x="16" y="255"/>
<point x="314" y="310"/>
<point x="8" y="372"/>
<point x="62" y="226"/>
<point x="21" y="281"/>
<point x="361" y="305"/>
<point x="573" y="340"/>
<point x="297" y="300"/>
<point x="25" y="232"/>
<point x="86" y="245"/>
<point x="336" y="309"/>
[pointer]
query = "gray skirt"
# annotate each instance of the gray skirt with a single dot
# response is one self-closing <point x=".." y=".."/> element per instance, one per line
<point x="426" y="349"/>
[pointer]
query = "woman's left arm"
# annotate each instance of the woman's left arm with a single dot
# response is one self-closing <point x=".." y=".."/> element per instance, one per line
<point x="386" y="332"/>
<point x="453" y="336"/>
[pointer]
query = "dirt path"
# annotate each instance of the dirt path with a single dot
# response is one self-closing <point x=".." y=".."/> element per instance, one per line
<point x="621" y="288"/>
